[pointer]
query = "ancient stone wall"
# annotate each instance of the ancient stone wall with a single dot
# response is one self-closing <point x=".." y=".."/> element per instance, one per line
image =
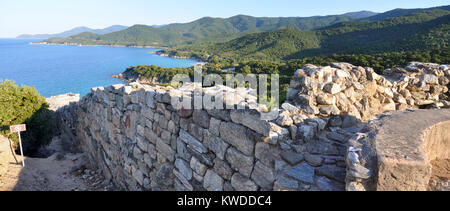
<point x="133" y="133"/>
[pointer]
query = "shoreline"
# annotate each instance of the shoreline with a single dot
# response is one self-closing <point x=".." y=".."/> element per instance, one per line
<point x="83" y="45"/>
<point x="123" y="46"/>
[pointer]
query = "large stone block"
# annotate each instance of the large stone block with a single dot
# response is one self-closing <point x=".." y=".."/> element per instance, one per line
<point x="212" y="181"/>
<point x="184" y="168"/>
<point x="192" y="142"/>
<point x="215" y="144"/>
<point x="223" y="169"/>
<point x="240" y="162"/>
<point x="236" y="135"/>
<point x="198" y="167"/>
<point x="263" y="175"/>
<point x="165" y="150"/>
<point x="201" y="118"/>
<point x="242" y="183"/>
<point x="303" y="173"/>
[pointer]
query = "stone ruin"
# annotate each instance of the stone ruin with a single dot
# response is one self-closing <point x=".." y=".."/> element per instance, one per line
<point x="326" y="137"/>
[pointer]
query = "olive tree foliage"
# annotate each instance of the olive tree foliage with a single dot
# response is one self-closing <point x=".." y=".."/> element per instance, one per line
<point x="24" y="105"/>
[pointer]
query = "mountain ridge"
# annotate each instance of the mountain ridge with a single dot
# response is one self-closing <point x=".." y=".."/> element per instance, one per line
<point x="74" y="31"/>
<point x="208" y="29"/>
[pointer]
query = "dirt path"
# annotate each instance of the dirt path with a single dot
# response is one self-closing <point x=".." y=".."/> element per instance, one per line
<point x="60" y="172"/>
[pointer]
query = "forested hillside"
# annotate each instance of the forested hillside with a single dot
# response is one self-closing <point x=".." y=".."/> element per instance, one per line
<point x="422" y="30"/>
<point x="209" y="30"/>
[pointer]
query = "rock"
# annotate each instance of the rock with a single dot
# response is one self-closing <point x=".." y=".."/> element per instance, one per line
<point x="285" y="184"/>
<point x="186" y="186"/>
<point x="330" y="110"/>
<point x="335" y="121"/>
<point x="201" y="118"/>
<point x="240" y="162"/>
<point x="242" y="183"/>
<point x="325" y="184"/>
<point x="266" y="154"/>
<point x="444" y="81"/>
<point x="236" y="135"/>
<point x="165" y="150"/>
<point x="215" y="144"/>
<point x="192" y="142"/>
<point x="306" y="132"/>
<point x="164" y="176"/>
<point x="302" y="172"/>
<point x="350" y="121"/>
<point x="212" y="181"/>
<point x="196" y="131"/>
<point x="332" y="172"/>
<point x="182" y="151"/>
<point x="252" y="119"/>
<point x="337" y="137"/>
<point x="223" y="169"/>
<point x="198" y="167"/>
<point x="332" y="88"/>
<point x="214" y="127"/>
<point x="220" y="114"/>
<point x="263" y="175"/>
<point x="184" y="168"/>
<point x="138" y="176"/>
<point x="358" y="171"/>
<point x="285" y="121"/>
<point x="314" y="160"/>
<point x="322" y="148"/>
<point x="326" y="99"/>
<point x="289" y="107"/>
<point x="292" y="157"/>
<point x="321" y="124"/>
<point x="299" y="118"/>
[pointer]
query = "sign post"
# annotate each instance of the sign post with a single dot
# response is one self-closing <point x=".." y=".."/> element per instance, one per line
<point x="18" y="129"/>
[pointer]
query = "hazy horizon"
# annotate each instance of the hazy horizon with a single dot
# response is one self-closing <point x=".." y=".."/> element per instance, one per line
<point x="54" y="16"/>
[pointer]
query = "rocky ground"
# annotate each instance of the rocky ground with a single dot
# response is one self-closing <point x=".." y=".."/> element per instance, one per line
<point x="440" y="181"/>
<point x="60" y="172"/>
<point x="56" y="102"/>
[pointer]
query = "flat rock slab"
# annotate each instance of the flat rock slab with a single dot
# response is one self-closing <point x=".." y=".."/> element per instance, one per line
<point x="406" y="143"/>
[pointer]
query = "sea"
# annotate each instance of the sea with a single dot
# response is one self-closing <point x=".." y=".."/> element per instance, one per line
<point x="61" y="69"/>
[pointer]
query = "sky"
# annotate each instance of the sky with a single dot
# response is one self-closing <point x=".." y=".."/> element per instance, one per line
<point x="55" y="16"/>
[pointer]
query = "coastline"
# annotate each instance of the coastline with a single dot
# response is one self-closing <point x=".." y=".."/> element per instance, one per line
<point x="83" y="45"/>
<point x="124" y="46"/>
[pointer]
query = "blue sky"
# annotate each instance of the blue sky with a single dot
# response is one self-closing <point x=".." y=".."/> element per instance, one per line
<point x="54" y="16"/>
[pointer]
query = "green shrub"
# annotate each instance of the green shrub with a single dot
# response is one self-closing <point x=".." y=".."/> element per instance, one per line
<point x="24" y="105"/>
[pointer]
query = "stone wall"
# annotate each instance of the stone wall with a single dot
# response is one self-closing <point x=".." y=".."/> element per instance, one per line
<point x="346" y="89"/>
<point x="133" y="133"/>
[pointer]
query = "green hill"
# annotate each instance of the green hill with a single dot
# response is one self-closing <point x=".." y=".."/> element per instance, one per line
<point x="428" y="29"/>
<point x="208" y="30"/>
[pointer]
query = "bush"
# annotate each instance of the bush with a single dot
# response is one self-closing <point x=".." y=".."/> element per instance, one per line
<point x="24" y="105"/>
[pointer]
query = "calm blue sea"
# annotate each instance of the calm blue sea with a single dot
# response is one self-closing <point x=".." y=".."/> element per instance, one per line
<point x="55" y="70"/>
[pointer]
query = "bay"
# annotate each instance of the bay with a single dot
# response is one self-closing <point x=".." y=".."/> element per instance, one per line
<point x="61" y="69"/>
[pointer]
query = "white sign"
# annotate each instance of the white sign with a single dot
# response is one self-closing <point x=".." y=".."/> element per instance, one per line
<point x="18" y="129"/>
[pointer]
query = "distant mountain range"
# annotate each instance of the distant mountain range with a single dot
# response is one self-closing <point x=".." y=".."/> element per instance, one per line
<point x="73" y="32"/>
<point x="394" y="31"/>
<point x="209" y="29"/>
<point x="285" y="38"/>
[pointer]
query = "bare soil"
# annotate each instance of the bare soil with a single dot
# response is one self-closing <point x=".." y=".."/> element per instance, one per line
<point x="440" y="180"/>
<point x="60" y="172"/>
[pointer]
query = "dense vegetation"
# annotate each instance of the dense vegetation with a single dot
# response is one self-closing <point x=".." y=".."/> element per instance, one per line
<point x="24" y="105"/>
<point x="424" y="30"/>
<point x="207" y="30"/>
<point x="217" y="65"/>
